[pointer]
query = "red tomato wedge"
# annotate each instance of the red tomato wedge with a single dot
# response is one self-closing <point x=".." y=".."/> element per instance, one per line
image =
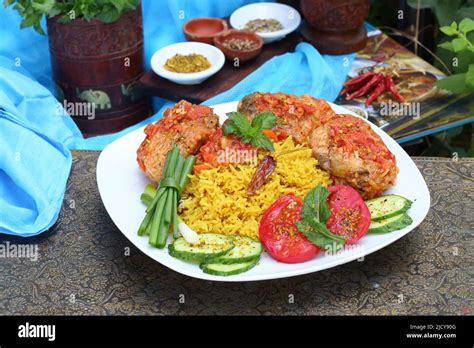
<point x="279" y="234"/>
<point x="350" y="216"/>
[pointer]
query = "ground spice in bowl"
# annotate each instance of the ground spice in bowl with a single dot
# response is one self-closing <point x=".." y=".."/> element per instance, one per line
<point x="189" y="63"/>
<point x="263" y="25"/>
<point x="240" y="44"/>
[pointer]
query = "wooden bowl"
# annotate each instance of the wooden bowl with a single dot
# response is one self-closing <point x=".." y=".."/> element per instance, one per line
<point x="232" y="54"/>
<point x="204" y="29"/>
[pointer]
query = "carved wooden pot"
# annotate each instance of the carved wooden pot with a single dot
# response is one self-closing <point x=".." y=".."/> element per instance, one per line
<point x="96" y="67"/>
<point x="335" y="26"/>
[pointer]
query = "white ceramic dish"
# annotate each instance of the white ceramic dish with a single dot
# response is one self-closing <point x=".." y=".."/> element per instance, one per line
<point x="121" y="182"/>
<point x="213" y="54"/>
<point x="286" y="15"/>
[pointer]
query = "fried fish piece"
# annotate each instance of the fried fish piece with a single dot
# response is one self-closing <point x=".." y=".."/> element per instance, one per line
<point x="354" y="154"/>
<point x="187" y="125"/>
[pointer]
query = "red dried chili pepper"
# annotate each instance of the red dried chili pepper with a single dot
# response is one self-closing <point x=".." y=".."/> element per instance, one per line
<point x="376" y="78"/>
<point x="264" y="169"/>
<point x="359" y="78"/>
<point x="375" y="93"/>
<point x="391" y="87"/>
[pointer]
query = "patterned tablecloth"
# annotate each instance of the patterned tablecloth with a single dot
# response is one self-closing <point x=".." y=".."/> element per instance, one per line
<point x="86" y="266"/>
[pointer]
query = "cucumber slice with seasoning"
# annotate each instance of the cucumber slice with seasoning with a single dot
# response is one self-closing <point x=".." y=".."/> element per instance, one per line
<point x="245" y="249"/>
<point x="221" y="269"/>
<point x="390" y="224"/>
<point x="387" y="206"/>
<point x="209" y="245"/>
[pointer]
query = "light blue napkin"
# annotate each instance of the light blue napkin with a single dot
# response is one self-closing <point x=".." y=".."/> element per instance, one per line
<point x="34" y="158"/>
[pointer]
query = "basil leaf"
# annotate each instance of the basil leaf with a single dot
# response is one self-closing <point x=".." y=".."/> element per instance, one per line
<point x="314" y="214"/>
<point x="315" y="205"/>
<point x="315" y="236"/>
<point x="264" y="120"/>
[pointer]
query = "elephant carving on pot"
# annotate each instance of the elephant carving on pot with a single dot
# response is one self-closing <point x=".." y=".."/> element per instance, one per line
<point x="99" y="99"/>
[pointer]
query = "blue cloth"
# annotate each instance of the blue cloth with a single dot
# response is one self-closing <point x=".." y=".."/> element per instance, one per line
<point x="301" y="72"/>
<point x="36" y="133"/>
<point x="34" y="158"/>
<point x="163" y="20"/>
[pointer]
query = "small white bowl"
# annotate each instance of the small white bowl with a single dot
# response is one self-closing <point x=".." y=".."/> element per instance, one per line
<point x="213" y="54"/>
<point x="289" y="18"/>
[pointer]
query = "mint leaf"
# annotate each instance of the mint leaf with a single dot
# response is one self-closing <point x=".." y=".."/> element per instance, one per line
<point x="261" y="140"/>
<point x="250" y="133"/>
<point x="240" y="122"/>
<point x="264" y="120"/>
<point x="229" y="127"/>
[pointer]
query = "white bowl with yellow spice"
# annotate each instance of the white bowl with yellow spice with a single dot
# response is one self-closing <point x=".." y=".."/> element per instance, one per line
<point x="187" y="63"/>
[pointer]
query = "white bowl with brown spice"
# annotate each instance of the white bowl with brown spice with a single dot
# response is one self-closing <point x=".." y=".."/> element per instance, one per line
<point x="187" y="63"/>
<point x="271" y="21"/>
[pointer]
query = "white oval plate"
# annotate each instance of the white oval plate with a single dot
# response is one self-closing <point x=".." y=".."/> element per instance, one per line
<point x="121" y="183"/>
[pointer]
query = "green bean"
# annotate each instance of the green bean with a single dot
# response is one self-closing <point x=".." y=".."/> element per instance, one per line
<point x="188" y="166"/>
<point x="166" y="219"/>
<point x="145" y="223"/>
<point x="156" y="222"/>
<point x="175" y="214"/>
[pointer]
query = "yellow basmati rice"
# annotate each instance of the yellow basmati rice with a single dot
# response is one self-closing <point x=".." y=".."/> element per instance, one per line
<point x="215" y="200"/>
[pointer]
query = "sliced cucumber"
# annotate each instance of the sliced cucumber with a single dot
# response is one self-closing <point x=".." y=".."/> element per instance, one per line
<point x="245" y="249"/>
<point x="221" y="269"/>
<point x="390" y="224"/>
<point x="387" y="206"/>
<point x="209" y="245"/>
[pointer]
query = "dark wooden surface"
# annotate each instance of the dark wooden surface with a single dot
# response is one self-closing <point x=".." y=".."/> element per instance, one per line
<point x="226" y="78"/>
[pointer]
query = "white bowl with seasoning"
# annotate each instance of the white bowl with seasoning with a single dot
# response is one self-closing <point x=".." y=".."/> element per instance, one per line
<point x="212" y="54"/>
<point x="287" y="16"/>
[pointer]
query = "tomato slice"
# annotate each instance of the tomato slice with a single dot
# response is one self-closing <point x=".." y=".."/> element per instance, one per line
<point x="279" y="234"/>
<point x="350" y="216"/>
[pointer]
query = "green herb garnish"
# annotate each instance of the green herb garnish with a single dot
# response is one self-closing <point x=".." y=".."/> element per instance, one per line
<point x="107" y="11"/>
<point x="314" y="214"/>
<point x="251" y="132"/>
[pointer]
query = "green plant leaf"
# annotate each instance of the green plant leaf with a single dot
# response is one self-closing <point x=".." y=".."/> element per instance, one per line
<point x="447" y="45"/>
<point x="264" y="120"/>
<point x="466" y="25"/>
<point x="315" y="204"/>
<point x="423" y="3"/>
<point x="109" y="14"/>
<point x="449" y="30"/>
<point x="7" y="3"/>
<point x="454" y="83"/>
<point x="261" y="140"/>
<point x="459" y="44"/>
<point x="44" y="6"/>
<point x="446" y="11"/>
<point x="470" y="77"/>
